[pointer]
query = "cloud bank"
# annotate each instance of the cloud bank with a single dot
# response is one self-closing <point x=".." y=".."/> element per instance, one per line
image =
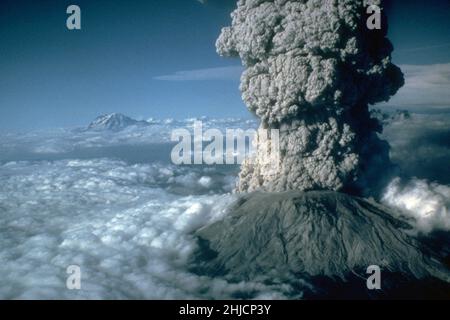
<point x="427" y="203"/>
<point x="128" y="227"/>
<point x="420" y="146"/>
<point x="426" y="87"/>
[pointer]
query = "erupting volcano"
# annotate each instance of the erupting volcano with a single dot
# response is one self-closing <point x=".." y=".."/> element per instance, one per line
<point x="312" y="69"/>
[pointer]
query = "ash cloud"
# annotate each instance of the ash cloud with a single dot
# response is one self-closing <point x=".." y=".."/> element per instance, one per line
<point x="312" y="69"/>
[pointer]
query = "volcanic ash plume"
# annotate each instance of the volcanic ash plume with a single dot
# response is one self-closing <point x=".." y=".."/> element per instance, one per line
<point x="312" y="68"/>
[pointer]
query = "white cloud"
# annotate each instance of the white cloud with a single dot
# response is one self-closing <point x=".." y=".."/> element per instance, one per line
<point x="420" y="146"/>
<point x="221" y="73"/>
<point x="427" y="203"/>
<point x="427" y="86"/>
<point x="131" y="237"/>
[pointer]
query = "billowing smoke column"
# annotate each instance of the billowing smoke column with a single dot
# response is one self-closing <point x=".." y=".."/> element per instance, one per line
<point x="312" y="68"/>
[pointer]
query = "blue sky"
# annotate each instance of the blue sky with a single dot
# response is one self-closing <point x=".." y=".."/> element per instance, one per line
<point x="157" y="59"/>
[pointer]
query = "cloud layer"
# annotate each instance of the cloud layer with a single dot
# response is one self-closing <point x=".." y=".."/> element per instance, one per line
<point x="427" y="203"/>
<point x="129" y="225"/>
<point x="421" y="149"/>
<point x="126" y="226"/>
<point x="426" y="87"/>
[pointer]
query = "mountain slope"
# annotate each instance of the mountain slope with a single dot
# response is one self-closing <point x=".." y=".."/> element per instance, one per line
<point x="323" y="241"/>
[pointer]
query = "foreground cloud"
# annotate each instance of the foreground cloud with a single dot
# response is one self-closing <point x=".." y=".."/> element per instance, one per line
<point x="420" y="146"/>
<point x="428" y="203"/>
<point x="126" y="226"/>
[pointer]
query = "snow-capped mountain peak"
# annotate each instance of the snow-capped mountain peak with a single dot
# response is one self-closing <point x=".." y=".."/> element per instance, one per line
<point x="114" y="122"/>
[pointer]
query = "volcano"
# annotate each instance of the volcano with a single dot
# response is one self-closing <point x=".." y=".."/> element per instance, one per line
<point x="321" y="243"/>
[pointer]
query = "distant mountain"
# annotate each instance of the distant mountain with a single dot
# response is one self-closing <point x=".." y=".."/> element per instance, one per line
<point x="114" y="122"/>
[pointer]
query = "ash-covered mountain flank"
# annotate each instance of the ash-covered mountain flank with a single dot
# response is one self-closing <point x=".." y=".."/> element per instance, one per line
<point x="321" y="243"/>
